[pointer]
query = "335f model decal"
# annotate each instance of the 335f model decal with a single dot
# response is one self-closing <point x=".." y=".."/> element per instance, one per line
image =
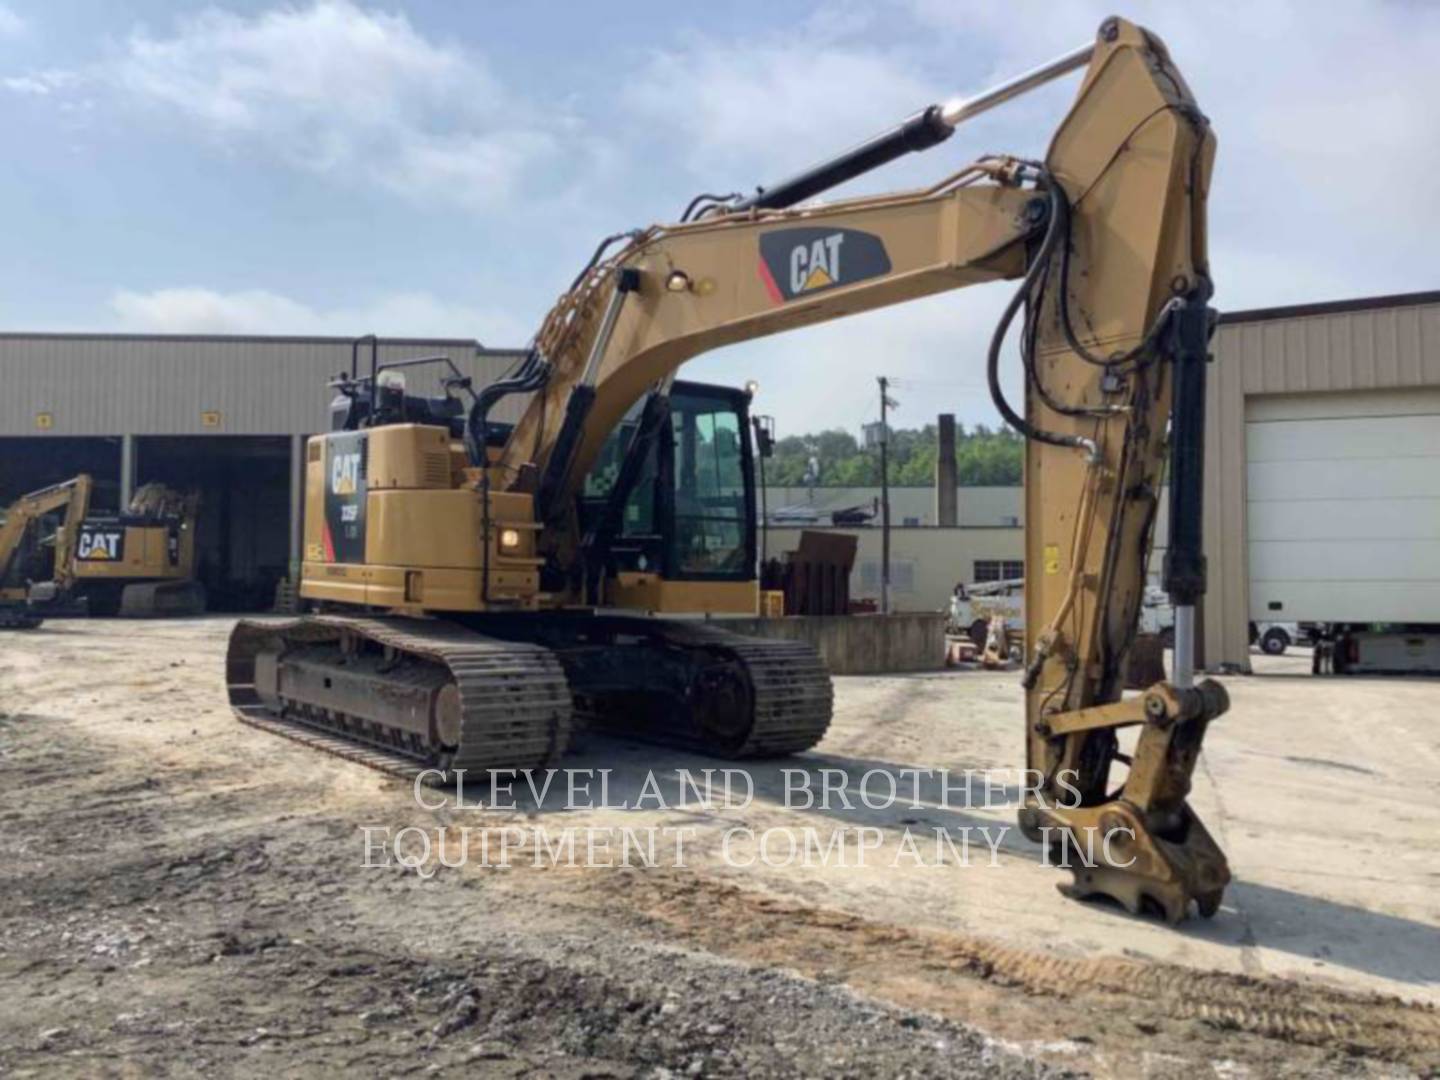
<point x="345" y="491"/>
<point x="799" y="262"/>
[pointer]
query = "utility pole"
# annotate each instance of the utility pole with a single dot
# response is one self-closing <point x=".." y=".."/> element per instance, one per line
<point x="885" y="404"/>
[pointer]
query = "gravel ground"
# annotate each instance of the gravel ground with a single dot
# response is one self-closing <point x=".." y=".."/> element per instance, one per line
<point x="185" y="895"/>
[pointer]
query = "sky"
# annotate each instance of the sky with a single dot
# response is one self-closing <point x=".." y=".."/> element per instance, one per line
<point x="443" y="168"/>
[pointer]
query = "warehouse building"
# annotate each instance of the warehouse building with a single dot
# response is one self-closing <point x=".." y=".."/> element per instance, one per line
<point x="910" y="506"/>
<point x="1322" y="482"/>
<point x="1322" y="467"/>
<point x="982" y="540"/>
<point x="225" y="415"/>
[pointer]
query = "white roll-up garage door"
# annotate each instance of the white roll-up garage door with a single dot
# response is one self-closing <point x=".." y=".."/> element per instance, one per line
<point x="1343" y="506"/>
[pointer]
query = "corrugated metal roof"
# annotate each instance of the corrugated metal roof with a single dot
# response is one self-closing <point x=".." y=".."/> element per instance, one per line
<point x="1363" y="348"/>
<point x="108" y="384"/>
<point x="1332" y="307"/>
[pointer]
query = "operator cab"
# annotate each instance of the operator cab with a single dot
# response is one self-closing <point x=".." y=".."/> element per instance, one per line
<point x="680" y="502"/>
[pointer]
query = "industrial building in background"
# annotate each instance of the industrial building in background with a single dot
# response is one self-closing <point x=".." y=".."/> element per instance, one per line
<point x="1322" y="488"/>
<point x="1323" y="466"/>
<point x="226" y="416"/>
<point x="1322" y="501"/>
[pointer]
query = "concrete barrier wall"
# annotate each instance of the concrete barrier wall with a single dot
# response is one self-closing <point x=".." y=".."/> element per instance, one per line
<point x="860" y="644"/>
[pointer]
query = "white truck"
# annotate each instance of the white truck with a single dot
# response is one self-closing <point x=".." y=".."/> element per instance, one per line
<point x="1274" y="638"/>
<point x="1158" y="617"/>
<point x="973" y="606"/>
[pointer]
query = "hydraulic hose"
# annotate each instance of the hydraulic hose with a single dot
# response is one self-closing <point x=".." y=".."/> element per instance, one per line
<point x="1053" y="234"/>
<point x="630" y="234"/>
<point x="533" y="375"/>
<point x="707" y="198"/>
<point x="1142" y="353"/>
<point x="1027" y="359"/>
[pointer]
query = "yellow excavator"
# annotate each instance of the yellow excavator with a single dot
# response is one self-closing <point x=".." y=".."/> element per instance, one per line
<point x="22" y="548"/>
<point x="476" y="606"/>
<point x="136" y="564"/>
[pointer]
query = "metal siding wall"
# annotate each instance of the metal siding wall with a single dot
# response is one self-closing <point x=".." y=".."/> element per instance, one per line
<point x="978" y="507"/>
<point x="1224" y="535"/>
<point x="159" y="386"/>
<point x="1372" y="349"/>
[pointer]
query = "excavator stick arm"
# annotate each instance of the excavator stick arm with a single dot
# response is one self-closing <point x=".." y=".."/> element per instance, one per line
<point x="1112" y="355"/>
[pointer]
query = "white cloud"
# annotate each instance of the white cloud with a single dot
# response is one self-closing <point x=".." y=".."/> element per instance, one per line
<point x="335" y="89"/>
<point x="11" y="24"/>
<point x="39" y="83"/>
<point x="744" y="111"/>
<point x="198" y="310"/>
<point x="1316" y="106"/>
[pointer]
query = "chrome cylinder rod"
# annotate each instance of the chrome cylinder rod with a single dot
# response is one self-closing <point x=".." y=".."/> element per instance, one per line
<point x="1183" y="666"/>
<point x="607" y="327"/>
<point x="957" y="110"/>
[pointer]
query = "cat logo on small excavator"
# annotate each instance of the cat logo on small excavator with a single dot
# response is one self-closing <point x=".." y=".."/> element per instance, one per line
<point x="100" y="545"/>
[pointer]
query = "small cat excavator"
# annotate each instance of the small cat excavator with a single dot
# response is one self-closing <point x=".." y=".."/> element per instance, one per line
<point x="21" y="546"/>
<point x="136" y="564"/>
<point x="476" y="607"/>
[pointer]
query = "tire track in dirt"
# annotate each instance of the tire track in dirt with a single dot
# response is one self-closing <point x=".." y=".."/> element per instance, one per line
<point x="885" y="959"/>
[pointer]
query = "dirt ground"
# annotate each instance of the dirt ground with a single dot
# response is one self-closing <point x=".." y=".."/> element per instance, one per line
<point x="184" y="894"/>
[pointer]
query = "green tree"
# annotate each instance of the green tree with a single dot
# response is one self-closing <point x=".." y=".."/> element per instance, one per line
<point x="983" y="458"/>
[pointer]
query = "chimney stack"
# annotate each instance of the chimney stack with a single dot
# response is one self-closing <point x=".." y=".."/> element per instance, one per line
<point x="946" y="475"/>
